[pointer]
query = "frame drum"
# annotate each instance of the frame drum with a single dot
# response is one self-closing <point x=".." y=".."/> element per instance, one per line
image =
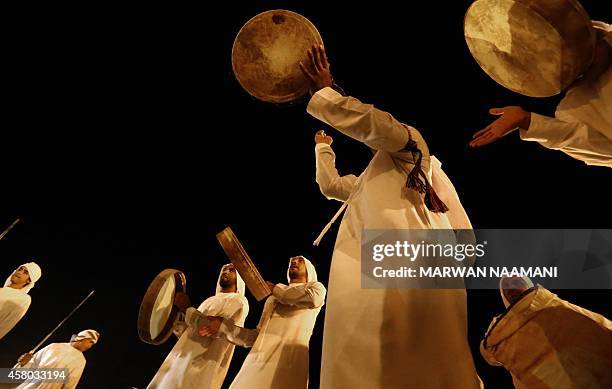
<point x="267" y="52"/>
<point x="242" y="262"/>
<point x="157" y="313"/>
<point x="533" y="47"/>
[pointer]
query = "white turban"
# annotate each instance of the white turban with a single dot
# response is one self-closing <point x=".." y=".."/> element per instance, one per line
<point x="35" y="273"/>
<point x="239" y="281"/>
<point x="87" y="334"/>
<point x="311" y="272"/>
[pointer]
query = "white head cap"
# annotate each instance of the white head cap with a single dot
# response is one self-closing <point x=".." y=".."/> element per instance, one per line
<point x="311" y="272"/>
<point x="35" y="273"/>
<point x="239" y="282"/>
<point x="86" y="334"/>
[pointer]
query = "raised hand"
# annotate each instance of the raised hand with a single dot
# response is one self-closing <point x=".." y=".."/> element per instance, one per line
<point x="511" y="118"/>
<point x="321" y="137"/>
<point x="317" y="69"/>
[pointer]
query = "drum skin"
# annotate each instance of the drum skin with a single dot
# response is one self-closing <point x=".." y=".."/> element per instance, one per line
<point x="267" y="52"/>
<point x="243" y="264"/>
<point x="148" y="308"/>
<point x="533" y="47"/>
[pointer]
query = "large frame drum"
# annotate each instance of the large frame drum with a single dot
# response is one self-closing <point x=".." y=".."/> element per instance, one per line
<point x="267" y="52"/>
<point x="243" y="263"/>
<point x="533" y="47"/>
<point x="157" y="313"/>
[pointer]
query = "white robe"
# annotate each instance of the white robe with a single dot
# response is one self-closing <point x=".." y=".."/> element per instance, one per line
<point x="57" y="356"/>
<point x="14" y="304"/>
<point x="279" y="357"/>
<point x="202" y="362"/>
<point x="386" y="338"/>
<point x="582" y="127"/>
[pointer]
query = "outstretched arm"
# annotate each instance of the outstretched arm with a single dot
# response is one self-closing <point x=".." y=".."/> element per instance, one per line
<point x="377" y="129"/>
<point x="570" y="136"/>
<point x="573" y="138"/>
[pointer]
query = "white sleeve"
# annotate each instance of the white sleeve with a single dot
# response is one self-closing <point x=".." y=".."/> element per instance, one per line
<point x="237" y="335"/>
<point x="331" y="184"/>
<point x="576" y="139"/>
<point x="11" y="315"/>
<point x="377" y="129"/>
<point x="308" y="295"/>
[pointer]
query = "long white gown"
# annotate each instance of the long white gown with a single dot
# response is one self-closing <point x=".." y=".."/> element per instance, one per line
<point x="202" y="362"/>
<point x="14" y="304"/>
<point x="582" y="127"/>
<point x="279" y="357"/>
<point x="57" y="356"/>
<point x="386" y="338"/>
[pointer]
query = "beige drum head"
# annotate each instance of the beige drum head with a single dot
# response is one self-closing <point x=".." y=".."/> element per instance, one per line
<point x="157" y="313"/>
<point x="243" y="263"/>
<point x="533" y="48"/>
<point x="267" y="52"/>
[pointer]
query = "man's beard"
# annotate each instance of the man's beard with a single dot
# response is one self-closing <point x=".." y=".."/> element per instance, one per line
<point x="294" y="273"/>
<point x="225" y="283"/>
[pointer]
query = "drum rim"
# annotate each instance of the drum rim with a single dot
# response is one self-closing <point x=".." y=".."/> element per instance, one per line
<point x="264" y="97"/>
<point x="146" y="307"/>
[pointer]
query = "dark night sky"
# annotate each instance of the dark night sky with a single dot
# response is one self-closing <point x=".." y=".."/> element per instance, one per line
<point x="130" y="144"/>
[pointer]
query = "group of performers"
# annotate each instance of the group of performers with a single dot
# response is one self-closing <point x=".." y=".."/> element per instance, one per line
<point x="396" y="338"/>
<point x="382" y="338"/>
<point x="14" y="304"/>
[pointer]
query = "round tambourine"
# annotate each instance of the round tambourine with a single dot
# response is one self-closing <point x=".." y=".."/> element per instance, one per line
<point x="267" y="52"/>
<point x="535" y="48"/>
<point x="157" y="313"/>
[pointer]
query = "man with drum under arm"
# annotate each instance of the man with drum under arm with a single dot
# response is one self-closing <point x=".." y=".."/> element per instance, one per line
<point x="279" y="355"/>
<point x="197" y="362"/>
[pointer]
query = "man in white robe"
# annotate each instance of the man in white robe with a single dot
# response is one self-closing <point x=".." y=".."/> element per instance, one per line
<point x="386" y="338"/>
<point x="198" y="362"/>
<point x="14" y="297"/>
<point x="582" y="127"/>
<point x="546" y="342"/>
<point x="67" y="356"/>
<point x="279" y="355"/>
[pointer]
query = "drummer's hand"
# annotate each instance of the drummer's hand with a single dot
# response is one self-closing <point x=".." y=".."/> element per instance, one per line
<point x="181" y="300"/>
<point x="212" y="327"/>
<point x="316" y="69"/>
<point x="24" y="359"/>
<point x="511" y="118"/>
<point x="321" y="137"/>
<point x="270" y="285"/>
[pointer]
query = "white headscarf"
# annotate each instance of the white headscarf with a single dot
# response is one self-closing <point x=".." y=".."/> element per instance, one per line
<point x="311" y="272"/>
<point x="86" y="334"/>
<point x="239" y="282"/>
<point x="528" y="284"/>
<point x="35" y="273"/>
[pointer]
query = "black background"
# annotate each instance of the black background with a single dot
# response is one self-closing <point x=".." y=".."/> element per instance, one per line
<point x="130" y="144"/>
